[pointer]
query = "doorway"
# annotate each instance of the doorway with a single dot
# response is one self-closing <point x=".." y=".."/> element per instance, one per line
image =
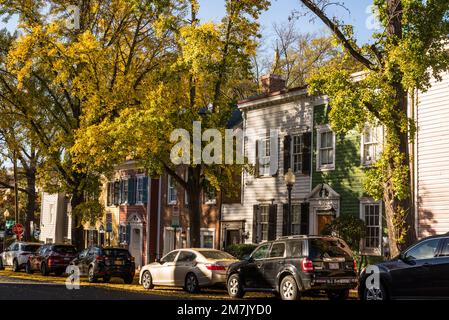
<point x="323" y="218"/>
<point x="135" y="247"/>
<point x="232" y="237"/>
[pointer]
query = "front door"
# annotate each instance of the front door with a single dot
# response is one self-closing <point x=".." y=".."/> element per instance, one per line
<point x="232" y="237"/>
<point x="323" y="218"/>
<point x="135" y="246"/>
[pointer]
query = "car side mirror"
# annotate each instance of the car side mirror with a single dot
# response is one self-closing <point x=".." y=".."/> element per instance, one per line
<point x="248" y="258"/>
<point x="158" y="261"/>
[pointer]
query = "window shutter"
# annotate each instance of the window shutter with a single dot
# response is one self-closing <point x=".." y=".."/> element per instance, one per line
<point x="145" y="190"/>
<point x="285" y="226"/>
<point x="122" y="192"/>
<point x="272" y="217"/>
<point x="108" y="197"/>
<point x="132" y="190"/>
<point x="287" y="154"/>
<point x="305" y="218"/>
<point x="306" y="152"/>
<point x="256" y="167"/>
<point x="116" y="193"/>
<point x="128" y="233"/>
<point x="274" y="154"/>
<point x="256" y="223"/>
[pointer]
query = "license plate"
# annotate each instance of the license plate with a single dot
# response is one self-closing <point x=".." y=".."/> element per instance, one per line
<point x="66" y="259"/>
<point x="118" y="263"/>
<point x="333" y="265"/>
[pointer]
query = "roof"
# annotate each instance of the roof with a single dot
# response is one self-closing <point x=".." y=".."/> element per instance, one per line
<point x="271" y="94"/>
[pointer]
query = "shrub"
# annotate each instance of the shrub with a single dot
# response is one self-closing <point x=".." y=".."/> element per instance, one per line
<point x="240" y="250"/>
<point x="349" y="228"/>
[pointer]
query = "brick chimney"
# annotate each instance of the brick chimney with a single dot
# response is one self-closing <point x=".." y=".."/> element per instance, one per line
<point x="272" y="83"/>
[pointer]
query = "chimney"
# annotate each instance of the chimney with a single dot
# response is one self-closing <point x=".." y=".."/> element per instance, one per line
<point x="272" y="83"/>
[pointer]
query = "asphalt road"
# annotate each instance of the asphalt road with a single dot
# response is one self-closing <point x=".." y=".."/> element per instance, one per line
<point x="15" y="289"/>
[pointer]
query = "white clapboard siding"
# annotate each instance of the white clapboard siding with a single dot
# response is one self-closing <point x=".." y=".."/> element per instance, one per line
<point x="286" y="117"/>
<point x="53" y="224"/>
<point x="433" y="159"/>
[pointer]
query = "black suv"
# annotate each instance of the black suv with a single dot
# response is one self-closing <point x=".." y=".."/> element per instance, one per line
<point x="294" y="266"/>
<point x="421" y="271"/>
<point x="97" y="262"/>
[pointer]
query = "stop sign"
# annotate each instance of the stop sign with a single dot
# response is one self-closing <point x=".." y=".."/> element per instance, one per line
<point x="17" y="229"/>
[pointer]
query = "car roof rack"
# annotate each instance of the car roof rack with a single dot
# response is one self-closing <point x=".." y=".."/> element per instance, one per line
<point x="298" y="236"/>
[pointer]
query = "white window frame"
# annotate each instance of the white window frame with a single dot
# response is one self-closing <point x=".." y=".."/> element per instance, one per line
<point x="299" y="154"/>
<point x="378" y="131"/>
<point x="171" y="187"/>
<point x="139" y="179"/>
<point x="325" y="128"/>
<point x="207" y="232"/>
<point x="292" y="222"/>
<point x="267" y="223"/>
<point x="372" y="251"/>
<point x="264" y="148"/>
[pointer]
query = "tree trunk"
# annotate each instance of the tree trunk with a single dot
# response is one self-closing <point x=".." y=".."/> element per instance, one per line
<point x="31" y="202"/>
<point x="194" y="188"/>
<point x="77" y="227"/>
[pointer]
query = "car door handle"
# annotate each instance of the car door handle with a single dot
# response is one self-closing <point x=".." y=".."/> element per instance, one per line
<point x="259" y="265"/>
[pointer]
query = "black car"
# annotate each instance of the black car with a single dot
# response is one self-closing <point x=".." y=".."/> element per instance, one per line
<point x="294" y="266"/>
<point x="421" y="271"/>
<point x="96" y="262"/>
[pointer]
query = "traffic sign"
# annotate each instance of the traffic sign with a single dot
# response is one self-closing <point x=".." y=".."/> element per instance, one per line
<point x="17" y="229"/>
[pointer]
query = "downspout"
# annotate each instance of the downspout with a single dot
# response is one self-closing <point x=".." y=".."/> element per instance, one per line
<point x="158" y="244"/>
<point x="149" y="200"/>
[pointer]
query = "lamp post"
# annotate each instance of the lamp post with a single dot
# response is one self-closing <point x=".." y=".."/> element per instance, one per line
<point x="6" y="215"/>
<point x="290" y="179"/>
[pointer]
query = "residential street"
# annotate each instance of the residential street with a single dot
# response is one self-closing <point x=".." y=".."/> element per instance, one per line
<point x="15" y="289"/>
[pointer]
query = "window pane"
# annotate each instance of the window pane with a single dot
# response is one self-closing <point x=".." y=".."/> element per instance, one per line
<point x="277" y="250"/>
<point x="425" y="250"/>
<point x="261" y="252"/>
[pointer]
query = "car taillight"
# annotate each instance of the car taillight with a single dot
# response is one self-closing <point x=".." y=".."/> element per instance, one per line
<point x="306" y="265"/>
<point x="215" y="267"/>
<point x="355" y="265"/>
<point x="99" y="258"/>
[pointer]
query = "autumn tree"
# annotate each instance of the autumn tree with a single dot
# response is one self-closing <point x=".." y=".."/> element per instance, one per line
<point x="405" y="54"/>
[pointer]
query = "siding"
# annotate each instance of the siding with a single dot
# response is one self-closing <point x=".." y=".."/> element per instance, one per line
<point x="287" y="117"/>
<point x="433" y="159"/>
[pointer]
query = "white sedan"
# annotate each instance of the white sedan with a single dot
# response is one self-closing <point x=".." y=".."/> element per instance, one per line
<point x="187" y="268"/>
<point x="17" y="254"/>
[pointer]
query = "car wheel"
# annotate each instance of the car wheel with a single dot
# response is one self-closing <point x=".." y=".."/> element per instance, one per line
<point x="289" y="289"/>
<point x="28" y="268"/>
<point x="15" y="266"/>
<point x="106" y="279"/>
<point x="91" y="275"/>
<point x="44" y="269"/>
<point x="235" y="288"/>
<point x="338" y="295"/>
<point x="147" y="280"/>
<point x="191" y="283"/>
<point x="373" y="294"/>
<point x="2" y="267"/>
<point x="128" y="279"/>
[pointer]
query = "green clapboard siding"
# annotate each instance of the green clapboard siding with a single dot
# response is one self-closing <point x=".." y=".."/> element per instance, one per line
<point x="347" y="178"/>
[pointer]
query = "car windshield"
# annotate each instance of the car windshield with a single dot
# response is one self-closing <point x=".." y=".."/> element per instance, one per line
<point x="117" y="253"/>
<point x="324" y="248"/>
<point x="30" y="247"/>
<point x="216" y="255"/>
<point x="64" y="249"/>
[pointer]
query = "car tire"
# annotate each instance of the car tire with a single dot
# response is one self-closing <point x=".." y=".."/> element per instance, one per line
<point x="373" y="294"/>
<point x="128" y="279"/>
<point x="28" y="268"/>
<point x="2" y="267"/>
<point x="44" y="269"/>
<point x="15" y="266"/>
<point x="91" y="275"/>
<point x="235" y="287"/>
<point x="106" y="279"/>
<point x="289" y="289"/>
<point x="147" y="280"/>
<point x="191" y="283"/>
<point x="338" y="295"/>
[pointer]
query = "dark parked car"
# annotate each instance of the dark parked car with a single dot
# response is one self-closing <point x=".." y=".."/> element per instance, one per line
<point x="294" y="266"/>
<point x="96" y="262"/>
<point x="421" y="271"/>
<point x="51" y="258"/>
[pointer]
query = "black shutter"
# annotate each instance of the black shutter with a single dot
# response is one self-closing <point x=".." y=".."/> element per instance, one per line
<point x="285" y="226"/>
<point x="145" y="190"/>
<point x="274" y="148"/>
<point x="306" y="152"/>
<point x="287" y="154"/>
<point x="305" y="218"/>
<point x="272" y="218"/>
<point x="108" y="197"/>
<point x="256" y="215"/>
<point x="122" y="192"/>
<point x="116" y="193"/>
<point x="256" y="166"/>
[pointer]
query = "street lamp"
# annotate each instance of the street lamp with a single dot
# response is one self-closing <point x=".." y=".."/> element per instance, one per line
<point x="6" y="215"/>
<point x="290" y="179"/>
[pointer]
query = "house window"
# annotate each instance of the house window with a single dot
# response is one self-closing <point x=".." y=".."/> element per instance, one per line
<point x="116" y="199"/>
<point x="171" y="192"/>
<point x="296" y="153"/>
<point x="207" y="238"/>
<point x="125" y="190"/>
<point x="264" y="157"/>
<point x="326" y="148"/>
<point x="139" y="190"/>
<point x="296" y="219"/>
<point x="370" y="145"/>
<point x="51" y="211"/>
<point x="264" y="222"/>
<point x="371" y="213"/>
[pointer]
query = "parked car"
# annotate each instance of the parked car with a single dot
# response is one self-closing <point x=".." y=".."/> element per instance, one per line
<point x="51" y="258"/>
<point x="188" y="268"/>
<point x="294" y="266"/>
<point x="421" y="271"/>
<point x="97" y="262"/>
<point x="16" y="255"/>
